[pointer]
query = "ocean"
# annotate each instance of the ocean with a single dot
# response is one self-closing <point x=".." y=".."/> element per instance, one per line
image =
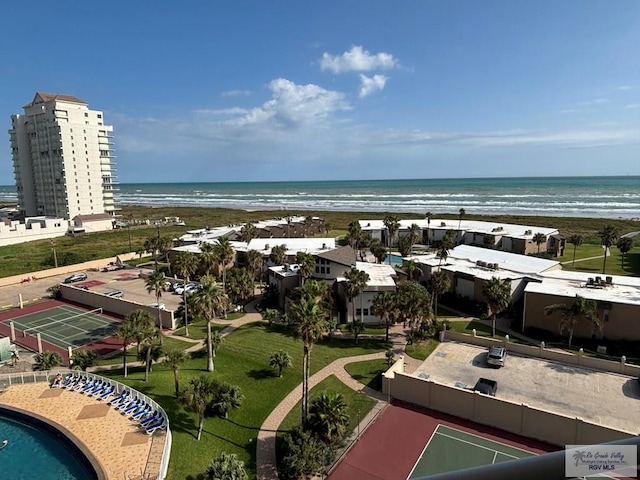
<point x="606" y="197"/>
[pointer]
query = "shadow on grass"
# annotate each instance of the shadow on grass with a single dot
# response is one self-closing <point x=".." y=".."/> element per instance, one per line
<point x="246" y="427"/>
<point x="261" y="374"/>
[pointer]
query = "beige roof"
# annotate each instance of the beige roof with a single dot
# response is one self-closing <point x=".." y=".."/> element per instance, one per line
<point x="42" y="97"/>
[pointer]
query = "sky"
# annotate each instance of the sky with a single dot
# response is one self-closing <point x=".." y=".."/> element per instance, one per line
<point x="288" y="90"/>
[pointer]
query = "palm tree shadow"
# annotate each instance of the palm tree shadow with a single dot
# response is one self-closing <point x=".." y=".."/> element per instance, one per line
<point x="261" y="374"/>
<point x="223" y="439"/>
<point x="248" y="427"/>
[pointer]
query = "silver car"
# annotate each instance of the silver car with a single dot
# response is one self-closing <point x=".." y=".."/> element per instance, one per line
<point x="496" y="356"/>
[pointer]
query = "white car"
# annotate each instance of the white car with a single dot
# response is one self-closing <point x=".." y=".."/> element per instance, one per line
<point x="157" y="305"/>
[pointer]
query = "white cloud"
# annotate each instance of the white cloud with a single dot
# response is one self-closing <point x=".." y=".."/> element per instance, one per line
<point x="236" y="93"/>
<point x="293" y="104"/>
<point x="371" y="85"/>
<point x="625" y="87"/>
<point x="632" y="105"/>
<point x="596" y="101"/>
<point x="357" y="60"/>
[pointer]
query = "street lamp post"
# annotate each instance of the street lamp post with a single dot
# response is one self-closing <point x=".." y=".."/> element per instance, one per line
<point x="55" y="256"/>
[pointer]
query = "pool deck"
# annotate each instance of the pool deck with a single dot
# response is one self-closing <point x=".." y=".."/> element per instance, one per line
<point x="117" y="443"/>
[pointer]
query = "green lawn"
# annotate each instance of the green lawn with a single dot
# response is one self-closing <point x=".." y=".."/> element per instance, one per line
<point x="583" y="251"/>
<point x="421" y="350"/>
<point x="368" y="372"/>
<point x="198" y="330"/>
<point x="243" y="360"/>
<point x="358" y="405"/>
<point x="169" y="343"/>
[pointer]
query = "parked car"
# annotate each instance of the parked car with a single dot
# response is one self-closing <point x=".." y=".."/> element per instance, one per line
<point x="76" y="277"/>
<point x="496" y="356"/>
<point x="486" y="386"/>
<point x="178" y="288"/>
<point x="157" y="305"/>
<point x="115" y="294"/>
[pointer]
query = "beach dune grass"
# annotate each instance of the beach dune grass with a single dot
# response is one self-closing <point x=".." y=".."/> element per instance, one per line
<point x="243" y="360"/>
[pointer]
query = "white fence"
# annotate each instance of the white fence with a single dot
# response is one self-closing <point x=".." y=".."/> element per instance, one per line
<point x="9" y="379"/>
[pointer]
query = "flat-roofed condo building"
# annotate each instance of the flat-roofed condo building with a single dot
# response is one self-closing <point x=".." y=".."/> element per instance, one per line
<point x="62" y="158"/>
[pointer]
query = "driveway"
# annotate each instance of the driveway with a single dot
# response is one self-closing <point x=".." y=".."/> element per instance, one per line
<point x="599" y="397"/>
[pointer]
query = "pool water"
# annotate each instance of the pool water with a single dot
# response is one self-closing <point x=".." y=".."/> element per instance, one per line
<point x="34" y="453"/>
<point x="392" y="259"/>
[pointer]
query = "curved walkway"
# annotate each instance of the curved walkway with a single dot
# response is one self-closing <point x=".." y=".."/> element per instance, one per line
<point x="266" y="442"/>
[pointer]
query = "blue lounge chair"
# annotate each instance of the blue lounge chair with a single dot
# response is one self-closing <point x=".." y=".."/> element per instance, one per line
<point x="150" y="419"/>
<point x="68" y="378"/>
<point x="83" y="382"/>
<point x="107" y="392"/>
<point x="160" y="424"/>
<point x="125" y="403"/>
<point x="97" y="385"/>
<point x="141" y="412"/>
<point x="131" y="407"/>
<point x="88" y="386"/>
<point x="139" y="409"/>
<point x="114" y="401"/>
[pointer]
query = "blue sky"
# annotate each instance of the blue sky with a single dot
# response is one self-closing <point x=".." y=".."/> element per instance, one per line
<point x="233" y="90"/>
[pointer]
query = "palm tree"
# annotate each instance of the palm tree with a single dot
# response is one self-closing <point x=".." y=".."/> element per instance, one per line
<point x="445" y="245"/>
<point x="148" y="333"/>
<point x="150" y="353"/>
<point x="539" y="239"/>
<point x="328" y="416"/>
<point x="576" y="240"/>
<point x="47" y="360"/>
<point x="248" y="232"/>
<point x="155" y="283"/>
<point x="207" y="257"/>
<point x="624" y="244"/>
<point x="439" y="283"/>
<point x="415" y="232"/>
<point x="165" y="244"/>
<point x="226" y="467"/>
<point x="308" y="321"/>
<point x="392" y="224"/>
<point x="209" y="301"/>
<point x="84" y="359"/>
<point x="383" y="305"/>
<point x="280" y="360"/>
<point x="355" y="286"/>
<point x="198" y="396"/>
<point x="608" y="236"/>
<point x="461" y="213"/>
<point x="306" y="263"/>
<point x="141" y="320"/>
<point x="175" y="358"/>
<point x="571" y="313"/>
<point x="254" y="263"/>
<point x="185" y="265"/>
<point x="278" y="254"/>
<point x="412" y="268"/>
<point x="225" y="398"/>
<point x="216" y="341"/>
<point x="126" y="331"/>
<point x="497" y="294"/>
<point x="224" y="255"/>
<point x="354" y="234"/>
<point x="377" y="250"/>
<point x="152" y="245"/>
<point x="428" y="216"/>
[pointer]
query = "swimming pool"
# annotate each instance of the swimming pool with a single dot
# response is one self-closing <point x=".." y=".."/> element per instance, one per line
<point x="39" y="452"/>
<point x="395" y="259"/>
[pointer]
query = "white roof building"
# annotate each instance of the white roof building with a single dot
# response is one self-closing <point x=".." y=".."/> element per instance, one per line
<point x="294" y="245"/>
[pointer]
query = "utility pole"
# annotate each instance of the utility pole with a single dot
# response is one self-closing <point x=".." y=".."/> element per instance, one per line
<point x="55" y="256"/>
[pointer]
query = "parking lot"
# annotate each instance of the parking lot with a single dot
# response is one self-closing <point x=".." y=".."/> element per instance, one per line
<point x="603" y="398"/>
<point x="127" y="280"/>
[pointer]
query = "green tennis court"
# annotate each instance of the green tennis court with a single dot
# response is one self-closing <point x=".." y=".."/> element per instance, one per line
<point x="65" y="326"/>
<point x="449" y="449"/>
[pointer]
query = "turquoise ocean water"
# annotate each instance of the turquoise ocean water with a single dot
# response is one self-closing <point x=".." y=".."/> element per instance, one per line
<point x="611" y="197"/>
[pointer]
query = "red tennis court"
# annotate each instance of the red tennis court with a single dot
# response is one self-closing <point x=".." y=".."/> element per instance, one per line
<point x="391" y="446"/>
